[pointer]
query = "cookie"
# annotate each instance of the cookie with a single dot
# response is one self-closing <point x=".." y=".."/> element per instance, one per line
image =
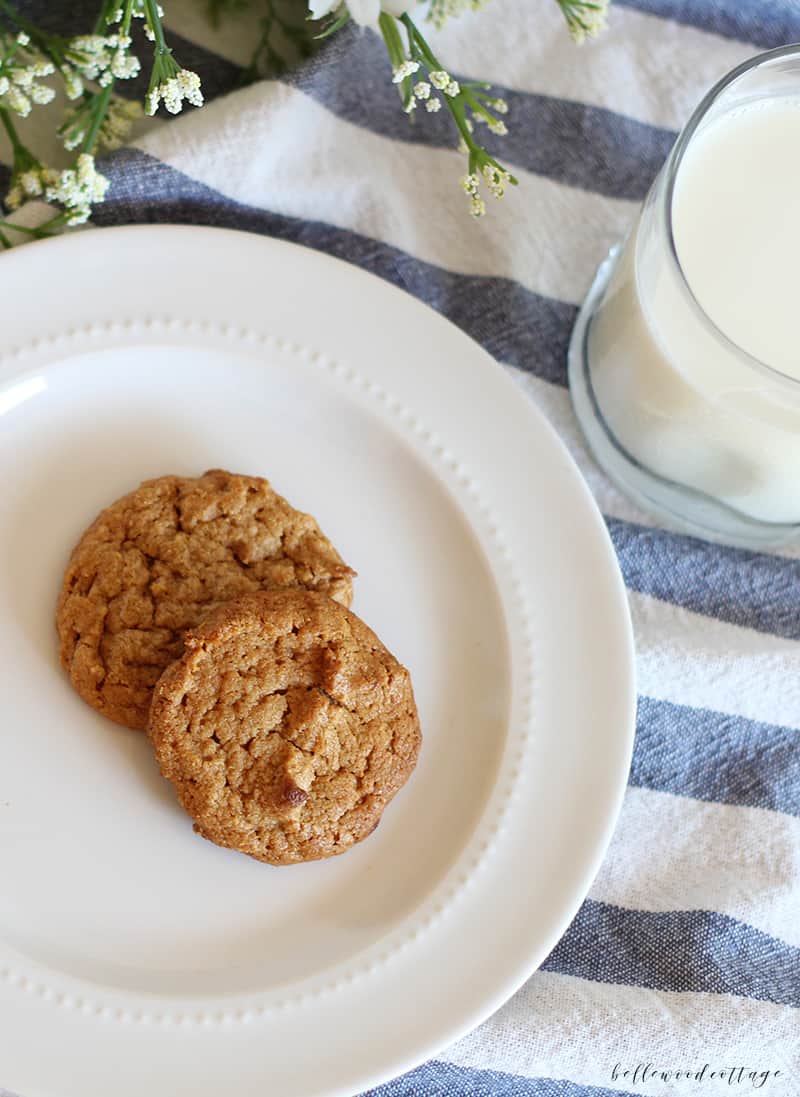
<point x="286" y="727"/>
<point x="156" y="561"/>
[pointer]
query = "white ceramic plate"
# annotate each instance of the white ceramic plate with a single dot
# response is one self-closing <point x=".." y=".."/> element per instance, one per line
<point x="136" y="957"/>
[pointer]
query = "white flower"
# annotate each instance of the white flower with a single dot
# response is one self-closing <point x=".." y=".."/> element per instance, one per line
<point x="500" y="105"/>
<point x="470" y="183"/>
<point x="77" y="189"/>
<point x="318" y="9"/>
<point x="118" y="121"/>
<point x="585" y="18"/>
<point x="439" y="78"/>
<point x="422" y="89"/>
<point x="124" y="65"/>
<point x="184" y="86"/>
<point x="73" y="85"/>
<point x="17" y="101"/>
<point x="25" y="185"/>
<point x="90" y="54"/>
<point x="23" y="78"/>
<point x="496" y="179"/>
<point x="442" y="10"/>
<point x="433" y="105"/>
<point x="4" y="85"/>
<point x="452" y="89"/>
<point x="23" y="39"/>
<point x="477" y="206"/>
<point x="41" y="93"/>
<point x="498" y="127"/>
<point x="407" y="68"/>
<point x="364" y="12"/>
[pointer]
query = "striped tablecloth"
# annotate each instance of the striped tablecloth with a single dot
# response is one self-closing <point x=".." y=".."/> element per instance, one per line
<point x="686" y="954"/>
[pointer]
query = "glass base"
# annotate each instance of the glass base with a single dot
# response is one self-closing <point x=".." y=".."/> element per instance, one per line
<point x="679" y="506"/>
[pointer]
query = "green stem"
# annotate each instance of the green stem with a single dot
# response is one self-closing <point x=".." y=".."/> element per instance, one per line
<point x="24" y="228"/>
<point x="154" y="22"/>
<point x="13" y="137"/>
<point x="99" y="110"/>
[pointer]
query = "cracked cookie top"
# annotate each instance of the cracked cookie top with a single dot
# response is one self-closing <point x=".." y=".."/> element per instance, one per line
<point x="156" y="561"/>
<point x="286" y="727"/>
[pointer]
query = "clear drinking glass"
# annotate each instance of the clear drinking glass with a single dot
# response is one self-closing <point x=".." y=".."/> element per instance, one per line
<point x="682" y="418"/>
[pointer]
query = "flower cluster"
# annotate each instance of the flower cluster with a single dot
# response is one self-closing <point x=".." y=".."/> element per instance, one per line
<point x="496" y="179"/>
<point x="442" y="10"/>
<point x="103" y="58"/>
<point x="183" y="85"/>
<point x="113" y="129"/>
<point x="88" y="65"/>
<point x="585" y="18"/>
<point x="74" y="189"/>
<point x="77" y="189"/>
<point x="469" y="103"/>
<point x="116" y="126"/>
<point x="21" y="72"/>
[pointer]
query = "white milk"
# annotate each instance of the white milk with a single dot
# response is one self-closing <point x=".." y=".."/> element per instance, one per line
<point x="681" y="398"/>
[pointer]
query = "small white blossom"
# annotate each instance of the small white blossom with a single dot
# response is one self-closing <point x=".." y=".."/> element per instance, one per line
<point x="118" y="121"/>
<point x="22" y="77"/>
<point x="26" y="185"/>
<point x="41" y="94"/>
<point x="363" y="12"/>
<point x="114" y="16"/>
<point x="124" y="65"/>
<point x="442" y="10"/>
<point x="585" y="18"/>
<point x="73" y="138"/>
<point x="500" y="105"/>
<point x="496" y="179"/>
<point x="477" y="206"/>
<point x="31" y="182"/>
<point x="90" y="54"/>
<point x="77" y="189"/>
<point x="470" y="183"/>
<point x="433" y="105"/>
<point x="452" y="89"/>
<point x="422" y="89"/>
<point x="183" y="86"/>
<point x="17" y="101"/>
<point x="440" y="79"/>
<point x="149" y="33"/>
<point x="4" y="85"/>
<point x="410" y="106"/>
<point x="23" y="39"/>
<point x="406" y="69"/>
<point x="73" y="85"/>
<point x="498" y="127"/>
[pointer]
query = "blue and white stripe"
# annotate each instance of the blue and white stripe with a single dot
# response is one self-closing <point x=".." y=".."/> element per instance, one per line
<point x="688" y="948"/>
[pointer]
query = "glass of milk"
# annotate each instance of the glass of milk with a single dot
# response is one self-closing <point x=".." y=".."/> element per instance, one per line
<point x="685" y="360"/>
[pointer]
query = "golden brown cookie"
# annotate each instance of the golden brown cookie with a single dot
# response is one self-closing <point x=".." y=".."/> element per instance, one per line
<point x="156" y="561"/>
<point x="286" y="727"/>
